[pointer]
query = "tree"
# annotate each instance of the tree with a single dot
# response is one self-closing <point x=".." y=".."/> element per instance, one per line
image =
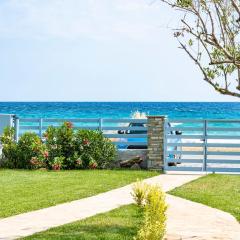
<point x="209" y="34"/>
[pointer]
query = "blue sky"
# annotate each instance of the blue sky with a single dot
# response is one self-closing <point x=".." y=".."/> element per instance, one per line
<point x="92" y="50"/>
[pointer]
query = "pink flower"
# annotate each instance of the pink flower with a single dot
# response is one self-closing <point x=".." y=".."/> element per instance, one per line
<point x="46" y="154"/>
<point x="56" y="167"/>
<point x="93" y="165"/>
<point x="85" y="142"/>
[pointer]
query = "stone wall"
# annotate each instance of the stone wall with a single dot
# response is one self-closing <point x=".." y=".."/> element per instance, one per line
<point x="155" y="157"/>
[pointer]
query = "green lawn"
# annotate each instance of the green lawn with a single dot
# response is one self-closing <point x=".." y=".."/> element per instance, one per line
<point x="23" y="190"/>
<point x="215" y="190"/>
<point x="118" y="224"/>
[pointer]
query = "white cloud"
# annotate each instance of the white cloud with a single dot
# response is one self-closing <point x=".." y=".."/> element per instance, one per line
<point x="73" y="19"/>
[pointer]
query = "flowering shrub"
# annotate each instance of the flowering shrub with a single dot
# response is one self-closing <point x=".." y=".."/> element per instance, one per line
<point x="93" y="164"/>
<point x="57" y="163"/>
<point x="63" y="148"/>
<point x="35" y="163"/>
<point x="59" y="143"/>
<point x="9" y="148"/>
<point x="27" y="153"/>
<point x="30" y="146"/>
<point x="92" y="146"/>
<point x="80" y="149"/>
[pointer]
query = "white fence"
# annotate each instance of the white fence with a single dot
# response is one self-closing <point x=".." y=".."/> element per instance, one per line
<point x="189" y="144"/>
<point x="125" y="133"/>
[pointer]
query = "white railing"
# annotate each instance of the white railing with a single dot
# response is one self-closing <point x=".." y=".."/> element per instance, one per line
<point x="125" y="133"/>
<point x="189" y="144"/>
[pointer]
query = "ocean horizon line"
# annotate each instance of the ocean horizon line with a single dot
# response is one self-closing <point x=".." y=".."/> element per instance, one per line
<point x="120" y="101"/>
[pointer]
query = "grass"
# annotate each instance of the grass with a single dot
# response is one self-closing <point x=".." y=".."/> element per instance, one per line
<point x="23" y="190"/>
<point x="215" y="190"/>
<point x="119" y="224"/>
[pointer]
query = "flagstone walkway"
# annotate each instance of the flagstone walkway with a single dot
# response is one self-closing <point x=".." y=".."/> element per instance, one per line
<point x="186" y="220"/>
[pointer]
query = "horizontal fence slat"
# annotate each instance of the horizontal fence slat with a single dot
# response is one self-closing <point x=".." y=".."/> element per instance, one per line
<point x="173" y="168"/>
<point x="224" y="120"/>
<point x="185" y="144"/>
<point x="186" y="152"/>
<point x="223" y="161"/>
<point x="185" y="121"/>
<point x="223" y="153"/>
<point x="125" y="128"/>
<point x="185" y="129"/>
<point x="104" y="120"/>
<point x="125" y="135"/>
<point x="29" y="127"/>
<point x="46" y="127"/>
<point x="77" y="120"/>
<point x="124" y="120"/>
<point x="225" y="129"/>
<point x="223" y="145"/>
<point x="130" y="143"/>
<point x="50" y="125"/>
<point x="87" y="127"/>
<point x="184" y="160"/>
<point x="184" y="136"/>
<point x="29" y="120"/>
<point x="215" y="169"/>
<point x="222" y="137"/>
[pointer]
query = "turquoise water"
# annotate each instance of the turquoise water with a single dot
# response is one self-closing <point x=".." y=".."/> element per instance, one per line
<point x="174" y="110"/>
<point x="211" y="110"/>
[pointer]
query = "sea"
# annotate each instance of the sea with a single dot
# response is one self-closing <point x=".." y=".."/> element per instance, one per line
<point x="172" y="110"/>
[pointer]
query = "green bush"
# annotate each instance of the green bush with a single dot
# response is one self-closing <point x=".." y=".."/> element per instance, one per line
<point x="60" y="143"/>
<point x="79" y="149"/>
<point x="27" y="153"/>
<point x="153" y="200"/>
<point x="63" y="148"/>
<point x="9" y="150"/>
<point x="31" y="152"/>
<point x="94" y="149"/>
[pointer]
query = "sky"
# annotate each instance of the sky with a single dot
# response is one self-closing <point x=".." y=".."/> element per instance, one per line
<point x="95" y="50"/>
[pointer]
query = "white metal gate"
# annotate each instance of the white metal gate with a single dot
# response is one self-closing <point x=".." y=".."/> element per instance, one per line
<point x="202" y="145"/>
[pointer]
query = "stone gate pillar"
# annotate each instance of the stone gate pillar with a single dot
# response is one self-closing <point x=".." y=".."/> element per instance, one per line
<point x="155" y="142"/>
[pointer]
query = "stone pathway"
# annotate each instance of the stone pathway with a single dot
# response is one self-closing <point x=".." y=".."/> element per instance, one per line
<point x="186" y="220"/>
<point x="193" y="221"/>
